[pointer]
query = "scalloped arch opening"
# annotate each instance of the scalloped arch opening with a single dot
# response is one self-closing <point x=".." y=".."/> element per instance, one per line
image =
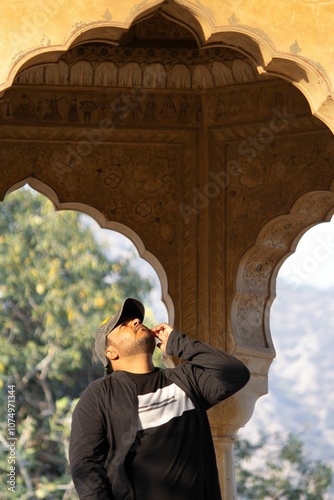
<point x="259" y="266"/>
<point x="167" y="15"/>
<point x="103" y="223"/>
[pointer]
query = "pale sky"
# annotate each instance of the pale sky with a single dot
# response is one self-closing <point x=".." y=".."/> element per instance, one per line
<point x="313" y="261"/>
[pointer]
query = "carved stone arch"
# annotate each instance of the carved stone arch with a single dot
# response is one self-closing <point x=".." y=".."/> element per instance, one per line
<point x="130" y="72"/>
<point x="95" y="214"/>
<point x="106" y="74"/>
<point x="202" y="77"/>
<point x="179" y="76"/>
<point x="81" y="73"/>
<point x="223" y="75"/>
<point x="195" y="24"/>
<point x="259" y="266"/>
<point x="55" y="74"/>
<point x="299" y="71"/>
<point x="155" y="76"/>
<point x="190" y="18"/>
<point x="304" y="74"/>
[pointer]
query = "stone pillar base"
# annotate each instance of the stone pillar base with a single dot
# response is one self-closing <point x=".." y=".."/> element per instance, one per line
<point x="224" y="446"/>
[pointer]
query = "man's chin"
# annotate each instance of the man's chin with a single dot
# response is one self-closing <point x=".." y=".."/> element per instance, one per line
<point x="147" y="342"/>
<point x="151" y="343"/>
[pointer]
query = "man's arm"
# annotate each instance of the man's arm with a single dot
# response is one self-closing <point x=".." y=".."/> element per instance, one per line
<point x="89" y="448"/>
<point x="217" y="374"/>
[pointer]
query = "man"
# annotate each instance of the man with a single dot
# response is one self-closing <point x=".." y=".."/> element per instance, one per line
<point x="142" y="432"/>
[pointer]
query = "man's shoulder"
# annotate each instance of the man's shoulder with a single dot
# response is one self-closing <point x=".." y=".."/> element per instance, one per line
<point x="102" y="391"/>
<point x="96" y="389"/>
<point x="108" y="381"/>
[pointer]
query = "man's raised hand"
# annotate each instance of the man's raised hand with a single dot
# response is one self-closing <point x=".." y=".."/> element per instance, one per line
<point x="161" y="332"/>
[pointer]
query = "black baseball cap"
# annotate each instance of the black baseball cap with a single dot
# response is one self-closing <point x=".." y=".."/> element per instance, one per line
<point x="130" y="309"/>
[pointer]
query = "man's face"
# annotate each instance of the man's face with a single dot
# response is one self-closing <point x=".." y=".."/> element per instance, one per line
<point x="131" y="337"/>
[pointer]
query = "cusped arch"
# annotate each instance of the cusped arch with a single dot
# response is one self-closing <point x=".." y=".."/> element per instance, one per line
<point x="259" y="266"/>
<point x="304" y="74"/>
<point x="301" y="72"/>
<point x="143" y="252"/>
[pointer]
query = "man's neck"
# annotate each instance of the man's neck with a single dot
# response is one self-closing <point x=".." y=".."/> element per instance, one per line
<point x="134" y="364"/>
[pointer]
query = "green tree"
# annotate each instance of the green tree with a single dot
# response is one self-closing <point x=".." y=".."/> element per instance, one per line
<point x="57" y="284"/>
<point x="285" y="472"/>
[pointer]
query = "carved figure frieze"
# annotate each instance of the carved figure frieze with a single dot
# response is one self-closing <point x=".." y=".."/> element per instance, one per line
<point x="119" y="108"/>
<point x="274" y="103"/>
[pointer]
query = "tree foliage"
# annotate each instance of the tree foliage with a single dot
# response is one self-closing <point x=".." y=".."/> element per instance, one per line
<point x="280" y="471"/>
<point x="57" y="284"/>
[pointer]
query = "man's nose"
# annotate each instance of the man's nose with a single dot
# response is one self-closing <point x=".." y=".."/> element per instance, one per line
<point x="135" y="321"/>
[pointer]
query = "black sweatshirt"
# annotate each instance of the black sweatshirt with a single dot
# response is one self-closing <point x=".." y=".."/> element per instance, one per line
<point x="105" y="420"/>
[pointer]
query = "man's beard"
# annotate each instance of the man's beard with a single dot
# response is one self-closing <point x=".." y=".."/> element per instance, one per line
<point x="144" y="344"/>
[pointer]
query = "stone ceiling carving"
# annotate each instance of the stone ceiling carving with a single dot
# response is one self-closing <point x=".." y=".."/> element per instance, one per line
<point x="157" y="30"/>
<point x="105" y="65"/>
<point x="145" y="79"/>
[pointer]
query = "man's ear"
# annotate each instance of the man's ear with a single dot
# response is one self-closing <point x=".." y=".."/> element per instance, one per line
<point x="111" y="353"/>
